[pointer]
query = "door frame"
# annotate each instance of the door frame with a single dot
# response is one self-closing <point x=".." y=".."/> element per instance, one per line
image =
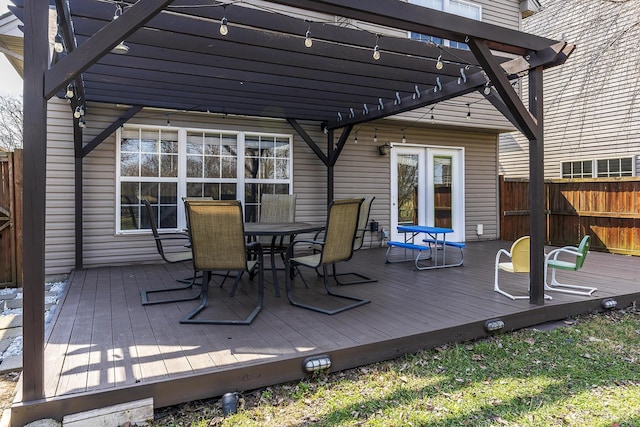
<point x="426" y="154"/>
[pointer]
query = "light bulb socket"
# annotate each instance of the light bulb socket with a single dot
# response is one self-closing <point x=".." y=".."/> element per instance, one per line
<point x="376" y="52"/>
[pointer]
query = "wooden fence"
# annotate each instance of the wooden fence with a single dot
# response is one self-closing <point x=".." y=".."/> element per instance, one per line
<point x="11" y="218"/>
<point x="608" y="209"/>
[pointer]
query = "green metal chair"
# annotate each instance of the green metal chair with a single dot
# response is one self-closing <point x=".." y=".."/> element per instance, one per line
<point x="216" y="229"/>
<point x="340" y="234"/>
<point x="552" y="262"/>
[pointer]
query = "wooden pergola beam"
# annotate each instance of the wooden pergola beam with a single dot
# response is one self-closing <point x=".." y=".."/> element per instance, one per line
<point x="100" y="44"/>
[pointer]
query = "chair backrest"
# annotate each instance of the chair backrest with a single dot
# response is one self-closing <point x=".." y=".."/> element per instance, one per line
<point x="278" y="208"/>
<point x="363" y="222"/>
<point x="216" y="229"/>
<point x="520" y="255"/>
<point x="340" y="232"/>
<point x="152" y="222"/>
<point x="583" y="250"/>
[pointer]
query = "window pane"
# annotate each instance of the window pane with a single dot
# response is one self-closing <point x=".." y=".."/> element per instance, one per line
<point x="281" y="189"/>
<point x="130" y="145"/>
<point x="168" y="217"/>
<point x="149" y="191"/>
<point x="587" y="168"/>
<point x="212" y="167"/>
<point x="251" y="167"/>
<point x="129" y="164"/>
<point x="282" y="169"/>
<point x="267" y="168"/>
<point x="194" y="167"/>
<point x="229" y="166"/>
<point x="228" y="192"/>
<point x="212" y="190"/>
<point x="129" y="217"/>
<point x="169" y="164"/>
<point x="149" y="165"/>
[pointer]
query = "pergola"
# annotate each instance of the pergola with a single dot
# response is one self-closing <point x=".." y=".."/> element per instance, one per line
<point x="177" y="59"/>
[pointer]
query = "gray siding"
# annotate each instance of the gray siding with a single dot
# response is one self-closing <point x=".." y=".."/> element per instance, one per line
<point x="360" y="171"/>
<point x="591" y="102"/>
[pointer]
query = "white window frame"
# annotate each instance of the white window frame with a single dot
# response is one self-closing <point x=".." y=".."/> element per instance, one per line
<point x="181" y="179"/>
<point x="594" y="167"/>
<point x="446" y="7"/>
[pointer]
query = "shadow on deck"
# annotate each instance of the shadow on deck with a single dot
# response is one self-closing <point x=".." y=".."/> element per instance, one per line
<point x="105" y="348"/>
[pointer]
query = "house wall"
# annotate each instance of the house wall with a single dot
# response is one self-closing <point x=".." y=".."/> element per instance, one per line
<point x="360" y="171"/>
<point x="591" y="105"/>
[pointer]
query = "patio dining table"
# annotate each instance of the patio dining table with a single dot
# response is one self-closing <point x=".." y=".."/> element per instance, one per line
<point x="278" y="230"/>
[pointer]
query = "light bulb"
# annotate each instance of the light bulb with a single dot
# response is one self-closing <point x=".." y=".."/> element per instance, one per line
<point x="77" y="113"/>
<point x="69" y="93"/>
<point x="57" y="45"/>
<point x="308" y="42"/>
<point x="404" y="137"/>
<point x="433" y="119"/>
<point x="376" y="52"/>
<point x="375" y="136"/>
<point x="224" y="29"/>
<point x="439" y="64"/>
<point x="468" y="112"/>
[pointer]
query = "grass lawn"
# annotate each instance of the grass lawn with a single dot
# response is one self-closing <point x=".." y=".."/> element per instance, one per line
<point x="584" y="373"/>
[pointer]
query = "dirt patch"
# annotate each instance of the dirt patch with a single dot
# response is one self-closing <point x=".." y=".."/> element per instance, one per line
<point x="8" y="383"/>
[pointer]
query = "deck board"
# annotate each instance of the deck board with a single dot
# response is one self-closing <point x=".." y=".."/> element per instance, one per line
<point x="103" y="339"/>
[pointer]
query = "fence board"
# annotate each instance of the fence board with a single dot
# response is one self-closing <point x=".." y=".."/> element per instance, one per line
<point x="606" y="208"/>
<point x="11" y="218"/>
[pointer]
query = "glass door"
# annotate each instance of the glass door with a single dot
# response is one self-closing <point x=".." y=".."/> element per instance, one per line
<point x="427" y="188"/>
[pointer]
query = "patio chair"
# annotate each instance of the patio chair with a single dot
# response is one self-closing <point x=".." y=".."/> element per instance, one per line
<point x="552" y="262"/>
<point x="340" y="234"/>
<point x="520" y="263"/>
<point x="170" y="257"/>
<point x="216" y="229"/>
<point x="363" y="227"/>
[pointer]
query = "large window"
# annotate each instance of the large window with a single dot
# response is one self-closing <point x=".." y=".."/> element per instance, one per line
<point x="457" y="7"/>
<point x="165" y="165"/>
<point x="598" y="168"/>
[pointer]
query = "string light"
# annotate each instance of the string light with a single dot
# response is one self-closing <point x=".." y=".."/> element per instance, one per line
<point x="439" y="64"/>
<point x="355" y="141"/>
<point x="57" y="45"/>
<point x="82" y="123"/>
<point x="404" y="137"/>
<point x="308" y="41"/>
<point x="433" y="118"/>
<point x="375" y="135"/>
<point x="69" y="93"/>
<point x="224" y="29"/>
<point x="468" y="111"/>
<point x="376" y="49"/>
<point x="77" y="114"/>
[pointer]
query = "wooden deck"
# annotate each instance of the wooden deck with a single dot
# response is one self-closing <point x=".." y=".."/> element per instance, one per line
<point x="105" y="348"/>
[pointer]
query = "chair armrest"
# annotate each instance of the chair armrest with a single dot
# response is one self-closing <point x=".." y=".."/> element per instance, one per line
<point x="500" y="252"/>
<point x="553" y="255"/>
<point x="255" y="246"/>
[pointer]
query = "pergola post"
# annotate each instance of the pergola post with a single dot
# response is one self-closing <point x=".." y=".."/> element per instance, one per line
<point x="536" y="189"/>
<point x="36" y="53"/>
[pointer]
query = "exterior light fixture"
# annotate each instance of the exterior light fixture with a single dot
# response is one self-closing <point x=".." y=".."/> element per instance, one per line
<point x="493" y="325"/>
<point x="609" y="303"/>
<point x="120" y="49"/>
<point x="439" y="64"/>
<point x="229" y="403"/>
<point x="384" y="149"/>
<point x="58" y="46"/>
<point x="316" y="363"/>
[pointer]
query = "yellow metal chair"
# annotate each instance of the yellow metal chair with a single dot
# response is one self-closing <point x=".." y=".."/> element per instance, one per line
<point x="552" y="262"/>
<point x="216" y="229"/>
<point x="520" y="263"/>
<point x="340" y="234"/>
